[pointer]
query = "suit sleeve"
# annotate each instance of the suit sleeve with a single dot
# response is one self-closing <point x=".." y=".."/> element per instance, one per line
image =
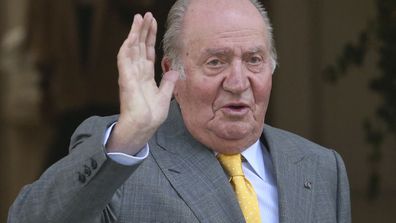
<point x="343" y="195"/>
<point x="85" y="186"/>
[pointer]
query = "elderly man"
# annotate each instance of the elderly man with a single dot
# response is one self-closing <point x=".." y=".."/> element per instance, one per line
<point x="164" y="160"/>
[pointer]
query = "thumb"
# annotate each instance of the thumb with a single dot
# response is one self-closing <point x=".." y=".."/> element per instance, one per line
<point x="168" y="83"/>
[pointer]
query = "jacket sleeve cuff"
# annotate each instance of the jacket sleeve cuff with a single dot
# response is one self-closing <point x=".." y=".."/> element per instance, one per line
<point x="123" y="158"/>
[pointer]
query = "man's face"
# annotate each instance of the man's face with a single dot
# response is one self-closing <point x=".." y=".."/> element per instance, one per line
<point x="225" y="54"/>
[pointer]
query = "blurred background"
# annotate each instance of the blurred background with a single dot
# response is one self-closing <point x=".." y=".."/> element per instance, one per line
<point x="335" y="84"/>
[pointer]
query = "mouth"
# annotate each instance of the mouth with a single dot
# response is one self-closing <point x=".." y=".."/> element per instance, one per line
<point x="235" y="109"/>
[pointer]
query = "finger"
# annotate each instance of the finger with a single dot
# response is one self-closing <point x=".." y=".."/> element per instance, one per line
<point x="129" y="48"/>
<point x="147" y="20"/>
<point x="151" y="39"/>
<point x="123" y="58"/>
<point x="136" y="24"/>
<point x="132" y="50"/>
<point x="168" y="84"/>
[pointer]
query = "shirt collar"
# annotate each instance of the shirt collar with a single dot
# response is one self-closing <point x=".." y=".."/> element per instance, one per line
<point x="254" y="156"/>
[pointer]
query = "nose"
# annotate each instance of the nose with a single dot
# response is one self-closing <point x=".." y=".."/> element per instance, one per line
<point x="236" y="81"/>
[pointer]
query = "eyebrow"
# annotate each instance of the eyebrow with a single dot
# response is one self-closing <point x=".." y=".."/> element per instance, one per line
<point x="225" y="50"/>
<point x="217" y="51"/>
<point x="258" y="49"/>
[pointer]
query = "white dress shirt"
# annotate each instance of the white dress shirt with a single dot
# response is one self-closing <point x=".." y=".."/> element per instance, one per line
<point x="257" y="167"/>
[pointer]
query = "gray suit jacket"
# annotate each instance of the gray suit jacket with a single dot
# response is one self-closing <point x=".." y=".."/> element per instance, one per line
<point x="180" y="181"/>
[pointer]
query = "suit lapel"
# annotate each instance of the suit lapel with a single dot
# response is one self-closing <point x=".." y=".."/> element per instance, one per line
<point x="295" y="174"/>
<point x="196" y="175"/>
<point x="194" y="172"/>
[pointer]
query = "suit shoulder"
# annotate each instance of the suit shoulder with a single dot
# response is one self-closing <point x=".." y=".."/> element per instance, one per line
<point x="305" y="145"/>
<point x="328" y="160"/>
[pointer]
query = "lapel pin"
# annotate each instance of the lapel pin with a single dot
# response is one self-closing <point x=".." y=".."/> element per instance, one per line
<point x="308" y="185"/>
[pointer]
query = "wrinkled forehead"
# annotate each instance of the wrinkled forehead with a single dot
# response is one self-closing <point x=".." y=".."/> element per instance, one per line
<point x="205" y="18"/>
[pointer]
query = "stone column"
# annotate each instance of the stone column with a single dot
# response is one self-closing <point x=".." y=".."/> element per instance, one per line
<point x="19" y="98"/>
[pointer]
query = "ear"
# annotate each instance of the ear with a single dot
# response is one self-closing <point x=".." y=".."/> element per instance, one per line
<point x="166" y="64"/>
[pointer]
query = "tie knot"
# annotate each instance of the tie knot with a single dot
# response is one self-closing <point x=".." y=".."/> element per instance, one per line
<point x="231" y="163"/>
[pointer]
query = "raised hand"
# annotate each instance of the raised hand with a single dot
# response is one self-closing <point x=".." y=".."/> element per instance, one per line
<point x="144" y="106"/>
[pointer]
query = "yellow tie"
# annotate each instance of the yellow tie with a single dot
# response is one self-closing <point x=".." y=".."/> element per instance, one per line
<point x="244" y="191"/>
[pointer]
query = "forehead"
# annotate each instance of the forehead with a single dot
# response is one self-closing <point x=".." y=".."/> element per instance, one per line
<point x="223" y="22"/>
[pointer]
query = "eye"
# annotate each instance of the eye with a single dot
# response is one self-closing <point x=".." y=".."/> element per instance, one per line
<point x="255" y="60"/>
<point x="214" y="63"/>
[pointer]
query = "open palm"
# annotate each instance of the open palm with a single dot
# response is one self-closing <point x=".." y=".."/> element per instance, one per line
<point x="144" y="106"/>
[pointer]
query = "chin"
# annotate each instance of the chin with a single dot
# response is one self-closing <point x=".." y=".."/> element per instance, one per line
<point x="231" y="147"/>
<point x="231" y="142"/>
<point x="233" y="130"/>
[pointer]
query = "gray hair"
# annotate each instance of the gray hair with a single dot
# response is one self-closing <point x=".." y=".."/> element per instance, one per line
<point x="174" y="25"/>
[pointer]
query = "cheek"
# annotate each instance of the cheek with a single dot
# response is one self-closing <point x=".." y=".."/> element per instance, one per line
<point x="262" y="89"/>
<point x="197" y="95"/>
<point x="203" y="90"/>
